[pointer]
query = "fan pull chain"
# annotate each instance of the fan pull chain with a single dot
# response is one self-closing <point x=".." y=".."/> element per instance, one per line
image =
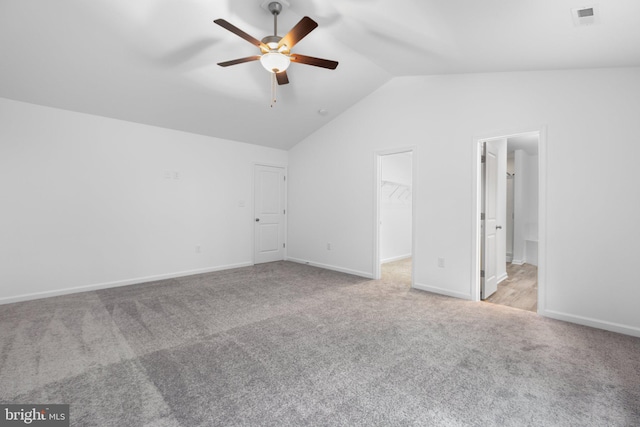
<point x="274" y="84"/>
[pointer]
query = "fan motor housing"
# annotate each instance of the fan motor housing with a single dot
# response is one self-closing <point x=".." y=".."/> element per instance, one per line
<point x="271" y="39"/>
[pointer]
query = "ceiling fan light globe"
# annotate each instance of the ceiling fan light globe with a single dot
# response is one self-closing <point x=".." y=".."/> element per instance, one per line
<point x="275" y="62"/>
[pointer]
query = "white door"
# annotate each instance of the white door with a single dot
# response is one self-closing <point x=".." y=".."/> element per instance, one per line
<point x="269" y="188"/>
<point x="490" y="237"/>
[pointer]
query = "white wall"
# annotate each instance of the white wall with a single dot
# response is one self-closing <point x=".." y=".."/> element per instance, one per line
<point x="526" y="208"/>
<point x="531" y="204"/>
<point x="520" y="210"/>
<point x="395" y="207"/>
<point x="591" y="117"/>
<point x="91" y="202"/>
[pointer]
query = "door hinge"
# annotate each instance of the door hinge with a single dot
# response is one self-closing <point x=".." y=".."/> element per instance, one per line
<point x="481" y="273"/>
<point x="482" y="216"/>
<point x="285" y="178"/>
<point x="284" y="245"/>
<point x="483" y="159"/>
<point x="284" y="211"/>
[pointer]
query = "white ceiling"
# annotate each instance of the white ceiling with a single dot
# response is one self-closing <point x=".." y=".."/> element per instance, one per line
<point x="154" y="61"/>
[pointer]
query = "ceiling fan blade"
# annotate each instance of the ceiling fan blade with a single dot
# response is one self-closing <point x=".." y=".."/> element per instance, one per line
<point x="237" y="31"/>
<point x="298" y="32"/>
<point x="239" y="61"/>
<point x="316" y="62"/>
<point x="282" y="78"/>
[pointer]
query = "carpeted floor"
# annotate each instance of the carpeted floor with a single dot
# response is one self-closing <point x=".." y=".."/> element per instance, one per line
<point x="284" y="344"/>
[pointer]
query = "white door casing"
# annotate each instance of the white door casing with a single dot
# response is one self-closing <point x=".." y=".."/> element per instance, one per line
<point x="491" y="226"/>
<point x="269" y="213"/>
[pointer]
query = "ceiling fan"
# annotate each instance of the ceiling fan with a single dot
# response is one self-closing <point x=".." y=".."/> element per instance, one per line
<point x="276" y="55"/>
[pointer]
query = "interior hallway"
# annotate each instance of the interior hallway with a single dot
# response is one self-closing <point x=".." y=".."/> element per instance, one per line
<point x="520" y="290"/>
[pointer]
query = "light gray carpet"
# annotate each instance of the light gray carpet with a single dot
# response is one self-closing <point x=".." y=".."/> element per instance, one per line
<point x="284" y="344"/>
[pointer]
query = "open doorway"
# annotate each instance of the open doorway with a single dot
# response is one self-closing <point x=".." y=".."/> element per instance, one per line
<point x="509" y="220"/>
<point x="394" y="231"/>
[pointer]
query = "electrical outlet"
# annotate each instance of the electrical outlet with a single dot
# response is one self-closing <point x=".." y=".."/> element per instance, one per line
<point x="441" y="262"/>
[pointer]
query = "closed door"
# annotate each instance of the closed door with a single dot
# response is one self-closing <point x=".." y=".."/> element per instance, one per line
<point x="490" y="237"/>
<point x="269" y="190"/>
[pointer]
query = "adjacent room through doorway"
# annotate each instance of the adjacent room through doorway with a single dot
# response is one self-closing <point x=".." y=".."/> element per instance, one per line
<point x="395" y="213"/>
<point x="509" y="221"/>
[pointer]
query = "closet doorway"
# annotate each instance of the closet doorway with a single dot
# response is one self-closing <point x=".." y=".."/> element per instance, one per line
<point x="394" y="216"/>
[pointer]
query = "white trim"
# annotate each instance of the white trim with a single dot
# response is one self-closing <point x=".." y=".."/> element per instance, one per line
<point x="542" y="208"/>
<point x="118" y="283"/>
<point x="594" y="323"/>
<point x="518" y="261"/>
<point x="504" y="276"/>
<point x="441" y="291"/>
<point x="377" y="170"/>
<point x="364" y="274"/>
<point x="395" y="258"/>
<point x="542" y="220"/>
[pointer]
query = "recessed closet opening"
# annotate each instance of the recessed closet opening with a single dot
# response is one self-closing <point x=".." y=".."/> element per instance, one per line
<point x="394" y="224"/>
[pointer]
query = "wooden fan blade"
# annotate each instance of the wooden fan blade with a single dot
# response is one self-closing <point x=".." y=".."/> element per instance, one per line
<point x="316" y="62"/>
<point x="239" y="61"/>
<point x="282" y="78"/>
<point x="237" y="31"/>
<point x="298" y="32"/>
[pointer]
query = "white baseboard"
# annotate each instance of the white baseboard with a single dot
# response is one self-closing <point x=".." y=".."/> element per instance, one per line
<point x="117" y="283"/>
<point x="518" y="261"/>
<point x="332" y="267"/>
<point x="594" y="323"/>
<point x="395" y="258"/>
<point x="503" y="277"/>
<point x="441" y="291"/>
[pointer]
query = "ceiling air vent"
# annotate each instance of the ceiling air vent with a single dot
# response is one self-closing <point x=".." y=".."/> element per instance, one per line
<point x="587" y="15"/>
<point x="584" y="13"/>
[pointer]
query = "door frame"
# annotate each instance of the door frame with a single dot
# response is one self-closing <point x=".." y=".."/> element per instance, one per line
<point x="377" y="162"/>
<point x="253" y="207"/>
<point x="542" y="208"/>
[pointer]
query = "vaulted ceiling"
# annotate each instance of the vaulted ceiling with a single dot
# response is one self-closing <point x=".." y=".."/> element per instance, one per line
<point x="154" y="61"/>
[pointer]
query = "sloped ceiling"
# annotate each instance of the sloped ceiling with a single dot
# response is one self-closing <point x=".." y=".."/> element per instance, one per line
<point x="154" y="61"/>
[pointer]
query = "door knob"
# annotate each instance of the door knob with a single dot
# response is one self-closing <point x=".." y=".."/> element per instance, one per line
<point x="257" y="219"/>
<point x="498" y="227"/>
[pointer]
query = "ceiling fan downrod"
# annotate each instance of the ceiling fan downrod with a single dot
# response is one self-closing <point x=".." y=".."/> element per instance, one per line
<point x="275" y="8"/>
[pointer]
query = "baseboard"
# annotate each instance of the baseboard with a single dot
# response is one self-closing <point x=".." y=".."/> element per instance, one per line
<point x="518" y="262"/>
<point x="395" y="258"/>
<point x="117" y="283"/>
<point x="441" y="291"/>
<point x="332" y="267"/>
<point x="503" y="277"/>
<point x="594" y="323"/>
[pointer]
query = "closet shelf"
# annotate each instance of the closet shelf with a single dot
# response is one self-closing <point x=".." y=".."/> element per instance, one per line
<point x="403" y="189"/>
